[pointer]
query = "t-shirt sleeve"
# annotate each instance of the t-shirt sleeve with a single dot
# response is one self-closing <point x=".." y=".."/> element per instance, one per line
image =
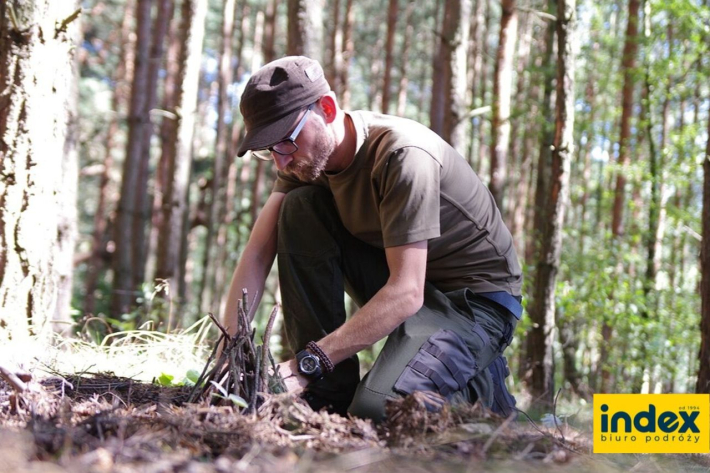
<point x="409" y="192"/>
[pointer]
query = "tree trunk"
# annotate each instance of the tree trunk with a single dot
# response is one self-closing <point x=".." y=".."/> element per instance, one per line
<point x="524" y="110"/>
<point x="214" y="212"/>
<point x="122" y="77"/>
<point x="437" y="107"/>
<point x="124" y="291"/>
<point x="543" y="304"/>
<point x="142" y="216"/>
<point x="502" y="84"/>
<point x="348" y="51"/>
<point x="269" y="42"/>
<point x="628" y="65"/>
<point x="335" y="50"/>
<point x="305" y="28"/>
<point x="37" y="164"/>
<point x="484" y="124"/>
<point x="404" y="60"/>
<point x="536" y="236"/>
<point x="389" y="55"/>
<point x="703" y="384"/>
<point x="474" y="71"/>
<point x="177" y="149"/>
<point x="456" y="19"/>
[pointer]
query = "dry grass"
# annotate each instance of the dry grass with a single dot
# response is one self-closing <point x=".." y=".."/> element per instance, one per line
<point x="137" y="354"/>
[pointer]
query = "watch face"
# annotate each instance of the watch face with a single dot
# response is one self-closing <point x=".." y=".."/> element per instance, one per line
<point x="309" y="364"/>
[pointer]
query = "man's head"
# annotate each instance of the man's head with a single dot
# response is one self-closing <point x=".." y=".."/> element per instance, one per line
<point x="276" y="98"/>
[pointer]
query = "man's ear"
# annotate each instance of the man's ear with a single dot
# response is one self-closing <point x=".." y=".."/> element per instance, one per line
<point x="329" y="106"/>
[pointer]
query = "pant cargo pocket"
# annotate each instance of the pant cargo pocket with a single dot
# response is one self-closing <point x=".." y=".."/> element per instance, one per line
<point x="443" y="364"/>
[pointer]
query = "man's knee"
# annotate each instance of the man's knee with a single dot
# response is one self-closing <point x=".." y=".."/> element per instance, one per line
<point x="305" y="198"/>
<point x="368" y="404"/>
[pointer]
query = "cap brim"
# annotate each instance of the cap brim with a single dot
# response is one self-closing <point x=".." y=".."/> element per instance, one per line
<point x="268" y="135"/>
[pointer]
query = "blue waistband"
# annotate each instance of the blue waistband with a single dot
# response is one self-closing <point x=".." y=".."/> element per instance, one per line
<point x="507" y="300"/>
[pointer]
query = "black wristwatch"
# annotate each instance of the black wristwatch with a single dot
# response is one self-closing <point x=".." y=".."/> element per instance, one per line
<point x="309" y="365"/>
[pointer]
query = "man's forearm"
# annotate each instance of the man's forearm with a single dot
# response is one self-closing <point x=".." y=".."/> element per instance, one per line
<point x="375" y="320"/>
<point x="248" y="276"/>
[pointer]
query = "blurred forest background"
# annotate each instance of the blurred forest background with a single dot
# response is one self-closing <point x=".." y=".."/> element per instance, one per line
<point x="122" y="202"/>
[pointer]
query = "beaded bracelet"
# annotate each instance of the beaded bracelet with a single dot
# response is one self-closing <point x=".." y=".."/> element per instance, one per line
<point x="325" y="361"/>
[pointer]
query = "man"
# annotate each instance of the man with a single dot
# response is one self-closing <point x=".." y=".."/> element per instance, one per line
<point x="382" y="207"/>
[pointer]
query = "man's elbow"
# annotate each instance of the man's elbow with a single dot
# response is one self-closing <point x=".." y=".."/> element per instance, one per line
<point x="412" y="302"/>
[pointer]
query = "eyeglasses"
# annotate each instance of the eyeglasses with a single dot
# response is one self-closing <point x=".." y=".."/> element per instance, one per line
<point x="287" y="146"/>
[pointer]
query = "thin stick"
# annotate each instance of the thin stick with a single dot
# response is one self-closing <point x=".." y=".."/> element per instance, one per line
<point x="265" y="348"/>
<point x="17" y="384"/>
<point x="554" y="414"/>
<point x="219" y="325"/>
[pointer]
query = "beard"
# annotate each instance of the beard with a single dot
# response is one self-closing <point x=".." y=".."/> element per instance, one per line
<point x="310" y="167"/>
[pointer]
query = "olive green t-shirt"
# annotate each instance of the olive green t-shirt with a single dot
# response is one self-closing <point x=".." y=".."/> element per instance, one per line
<point x="405" y="185"/>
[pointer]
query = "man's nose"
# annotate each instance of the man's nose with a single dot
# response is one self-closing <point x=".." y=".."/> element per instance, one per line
<point x="281" y="160"/>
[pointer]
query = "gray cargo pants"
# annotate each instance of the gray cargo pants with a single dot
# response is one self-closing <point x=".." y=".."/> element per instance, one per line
<point x="445" y="347"/>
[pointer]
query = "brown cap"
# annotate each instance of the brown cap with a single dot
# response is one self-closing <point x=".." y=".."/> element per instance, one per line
<point x="275" y="95"/>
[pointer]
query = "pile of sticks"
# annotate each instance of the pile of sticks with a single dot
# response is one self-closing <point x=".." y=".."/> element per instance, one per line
<point x="241" y="371"/>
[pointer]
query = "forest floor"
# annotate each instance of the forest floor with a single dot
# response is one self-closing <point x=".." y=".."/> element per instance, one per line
<point x="107" y="423"/>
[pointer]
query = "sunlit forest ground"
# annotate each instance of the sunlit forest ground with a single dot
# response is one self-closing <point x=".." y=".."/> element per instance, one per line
<point x="78" y="415"/>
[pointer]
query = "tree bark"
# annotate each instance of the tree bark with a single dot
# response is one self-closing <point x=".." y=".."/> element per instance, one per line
<point x="177" y="149"/>
<point x="305" y="28"/>
<point x="122" y="77"/>
<point x="703" y="384"/>
<point x="224" y="80"/>
<point x="484" y="124"/>
<point x="628" y="64"/>
<point x="348" y="51"/>
<point x="124" y="291"/>
<point x="335" y="50"/>
<point x="142" y="216"/>
<point x="533" y="248"/>
<point x="389" y="55"/>
<point x="404" y="60"/>
<point x="502" y="84"/>
<point x="37" y="164"/>
<point x="543" y="304"/>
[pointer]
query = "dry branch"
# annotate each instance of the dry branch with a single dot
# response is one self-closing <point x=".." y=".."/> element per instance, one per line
<point x="241" y="370"/>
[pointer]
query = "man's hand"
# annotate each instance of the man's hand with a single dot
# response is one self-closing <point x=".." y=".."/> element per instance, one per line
<point x="294" y="381"/>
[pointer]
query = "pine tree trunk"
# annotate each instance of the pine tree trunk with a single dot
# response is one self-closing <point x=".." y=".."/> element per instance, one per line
<point x="502" y="84"/>
<point x="37" y="164"/>
<point x="456" y="19"/>
<point x="533" y="249"/>
<point x="177" y="149"/>
<point x="348" y="51"/>
<point x="437" y="106"/>
<point x="703" y="384"/>
<point x="542" y="312"/>
<point x="404" y="60"/>
<point x="214" y="211"/>
<point x="335" y="50"/>
<point x="389" y="55"/>
<point x="484" y="124"/>
<point x="142" y="217"/>
<point x="628" y="64"/>
<point x="524" y="110"/>
<point x="305" y="28"/>
<point x="474" y="71"/>
<point x="122" y="77"/>
<point x="269" y="43"/>
<point x="124" y="291"/>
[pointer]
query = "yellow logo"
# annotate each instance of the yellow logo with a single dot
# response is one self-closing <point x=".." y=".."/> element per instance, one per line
<point x="651" y="423"/>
